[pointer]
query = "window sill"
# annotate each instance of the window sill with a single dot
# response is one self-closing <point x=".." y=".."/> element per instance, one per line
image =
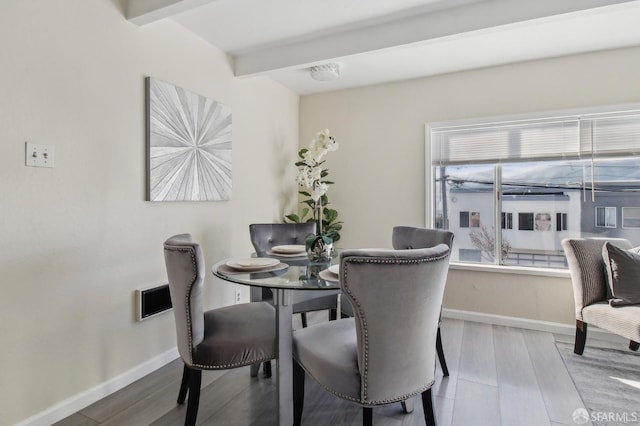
<point x="518" y="270"/>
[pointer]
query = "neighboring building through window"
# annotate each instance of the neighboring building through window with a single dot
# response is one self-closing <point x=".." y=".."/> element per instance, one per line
<point x="535" y="170"/>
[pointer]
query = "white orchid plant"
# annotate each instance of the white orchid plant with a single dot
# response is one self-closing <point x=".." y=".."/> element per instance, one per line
<point x="311" y="176"/>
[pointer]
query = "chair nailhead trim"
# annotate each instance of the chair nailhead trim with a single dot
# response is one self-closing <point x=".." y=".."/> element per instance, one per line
<point x="234" y="365"/>
<point x="188" y="297"/>
<point x="374" y="402"/>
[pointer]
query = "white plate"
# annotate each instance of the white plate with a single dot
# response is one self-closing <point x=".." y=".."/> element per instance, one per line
<point x="287" y="255"/>
<point x="329" y="276"/>
<point x="334" y="269"/>
<point x="289" y="249"/>
<point x="253" y="264"/>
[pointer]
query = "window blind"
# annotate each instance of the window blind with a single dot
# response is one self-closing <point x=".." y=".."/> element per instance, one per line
<point x="506" y="141"/>
<point x="570" y="137"/>
<point x="610" y="135"/>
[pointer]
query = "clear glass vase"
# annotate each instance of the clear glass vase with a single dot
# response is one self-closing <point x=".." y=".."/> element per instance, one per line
<point x="319" y="247"/>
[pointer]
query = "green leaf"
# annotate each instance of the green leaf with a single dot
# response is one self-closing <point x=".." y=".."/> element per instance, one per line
<point x="302" y="152"/>
<point x="330" y="215"/>
<point x="293" y="217"/>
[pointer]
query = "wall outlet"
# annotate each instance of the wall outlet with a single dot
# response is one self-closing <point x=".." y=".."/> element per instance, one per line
<point x="237" y="299"/>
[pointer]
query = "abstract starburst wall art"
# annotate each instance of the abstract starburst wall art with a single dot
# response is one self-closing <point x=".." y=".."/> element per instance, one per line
<point x="189" y="145"/>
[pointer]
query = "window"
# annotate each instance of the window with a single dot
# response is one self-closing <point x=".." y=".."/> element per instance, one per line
<point x="561" y="221"/>
<point x="507" y="220"/>
<point x="525" y="221"/>
<point x="631" y="217"/>
<point x="606" y="217"/>
<point x="474" y="222"/>
<point x="464" y="219"/>
<point x="536" y="170"/>
<point x="543" y="222"/>
<point x="469" y="220"/>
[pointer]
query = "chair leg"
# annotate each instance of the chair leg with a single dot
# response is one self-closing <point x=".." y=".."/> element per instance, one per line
<point x="367" y="416"/>
<point x="195" y="380"/>
<point x="333" y="314"/>
<point x="443" y="362"/>
<point x="298" y="393"/>
<point x="303" y="316"/>
<point x="633" y="345"/>
<point x="581" y="337"/>
<point x="427" y="406"/>
<point x="407" y="405"/>
<point x="184" y="385"/>
<point x="254" y="369"/>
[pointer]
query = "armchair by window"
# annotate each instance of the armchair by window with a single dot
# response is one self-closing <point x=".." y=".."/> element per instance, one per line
<point x="590" y="285"/>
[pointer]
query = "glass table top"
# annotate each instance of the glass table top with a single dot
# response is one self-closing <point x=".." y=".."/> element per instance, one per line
<point x="298" y="273"/>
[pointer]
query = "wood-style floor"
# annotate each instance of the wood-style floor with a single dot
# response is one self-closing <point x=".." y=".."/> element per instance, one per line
<point x="498" y="376"/>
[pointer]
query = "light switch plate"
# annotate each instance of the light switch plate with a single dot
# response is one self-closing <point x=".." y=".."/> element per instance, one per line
<point x="37" y="155"/>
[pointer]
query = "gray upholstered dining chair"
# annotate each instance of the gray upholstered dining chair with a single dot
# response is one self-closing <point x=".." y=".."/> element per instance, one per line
<point x="218" y="339"/>
<point x="265" y="236"/>
<point x="408" y="237"/>
<point x="591" y="292"/>
<point x="384" y="354"/>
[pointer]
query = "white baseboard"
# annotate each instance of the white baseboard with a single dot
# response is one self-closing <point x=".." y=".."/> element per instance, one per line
<point x="530" y="324"/>
<point x="78" y="402"/>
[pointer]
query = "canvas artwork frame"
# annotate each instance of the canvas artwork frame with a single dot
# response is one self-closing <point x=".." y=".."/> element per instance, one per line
<point x="189" y="145"/>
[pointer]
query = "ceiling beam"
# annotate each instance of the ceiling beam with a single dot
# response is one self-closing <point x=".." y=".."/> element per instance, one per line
<point x="481" y="15"/>
<point x="143" y="12"/>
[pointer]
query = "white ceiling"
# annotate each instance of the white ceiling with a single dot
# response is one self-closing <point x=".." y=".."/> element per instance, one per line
<point x="377" y="41"/>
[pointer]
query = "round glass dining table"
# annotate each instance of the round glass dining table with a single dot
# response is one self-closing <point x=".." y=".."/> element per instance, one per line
<point x="290" y="276"/>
